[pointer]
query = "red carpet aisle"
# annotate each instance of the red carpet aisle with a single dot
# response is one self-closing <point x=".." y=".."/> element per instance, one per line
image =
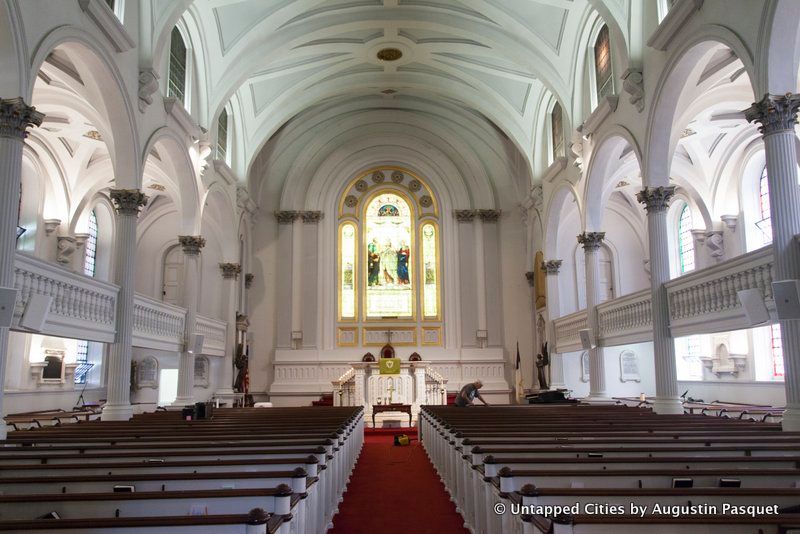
<point x="395" y="490"/>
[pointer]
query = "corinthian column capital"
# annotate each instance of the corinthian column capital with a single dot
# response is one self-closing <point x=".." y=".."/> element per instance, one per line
<point x="191" y="244"/>
<point x="551" y="267"/>
<point x="128" y="201"/>
<point x="776" y="113"/>
<point x="16" y="117"/>
<point x="591" y="240"/>
<point x="230" y="270"/>
<point x="655" y="199"/>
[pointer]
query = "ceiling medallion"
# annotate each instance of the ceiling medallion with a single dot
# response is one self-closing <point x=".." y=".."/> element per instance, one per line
<point x="389" y="54"/>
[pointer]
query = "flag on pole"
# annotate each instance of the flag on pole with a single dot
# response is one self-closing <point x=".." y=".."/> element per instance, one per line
<point x="518" y="378"/>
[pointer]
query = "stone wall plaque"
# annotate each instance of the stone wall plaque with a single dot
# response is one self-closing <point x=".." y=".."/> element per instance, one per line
<point x="585" y="366"/>
<point x="629" y="367"/>
<point x="201" y="371"/>
<point x="147" y="373"/>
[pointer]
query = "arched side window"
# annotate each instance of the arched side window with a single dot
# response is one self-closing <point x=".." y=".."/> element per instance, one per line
<point x="90" y="256"/>
<point x="764" y="224"/>
<point x="222" y="135"/>
<point x="685" y="241"/>
<point x="177" y="66"/>
<point x="557" y="131"/>
<point x="604" y="79"/>
<point x="389" y="260"/>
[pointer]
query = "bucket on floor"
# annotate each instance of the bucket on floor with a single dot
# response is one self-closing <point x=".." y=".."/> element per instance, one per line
<point x="402" y="440"/>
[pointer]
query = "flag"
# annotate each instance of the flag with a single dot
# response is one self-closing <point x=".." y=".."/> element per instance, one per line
<point x="518" y="378"/>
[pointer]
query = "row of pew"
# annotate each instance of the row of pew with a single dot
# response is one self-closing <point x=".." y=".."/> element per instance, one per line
<point x="600" y="469"/>
<point x="245" y="470"/>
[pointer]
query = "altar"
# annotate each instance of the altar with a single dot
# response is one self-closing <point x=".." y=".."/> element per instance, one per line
<point x="414" y="385"/>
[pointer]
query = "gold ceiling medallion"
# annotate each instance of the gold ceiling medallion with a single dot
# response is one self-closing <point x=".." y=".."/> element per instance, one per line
<point x="389" y="54"/>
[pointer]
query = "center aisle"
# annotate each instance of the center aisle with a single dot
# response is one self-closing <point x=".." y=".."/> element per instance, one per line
<point x="395" y="490"/>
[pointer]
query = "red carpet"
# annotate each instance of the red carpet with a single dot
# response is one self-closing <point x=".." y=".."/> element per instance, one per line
<point x="395" y="490"/>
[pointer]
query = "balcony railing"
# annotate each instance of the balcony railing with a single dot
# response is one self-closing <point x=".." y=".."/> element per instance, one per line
<point x="214" y="332"/>
<point x="627" y="319"/>
<point x="566" y="328"/>
<point x="157" y="325"/>
<point x="81" y="307"/>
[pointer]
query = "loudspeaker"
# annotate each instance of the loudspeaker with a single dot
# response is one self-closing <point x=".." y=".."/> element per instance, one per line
<point x="8" y="299"/>
<point x="753" y="305"/>
<point x="787" y="298"/>
<point x="36" y="312"/>
<point x="195" y="345"/>
<point x="587" y="339"/>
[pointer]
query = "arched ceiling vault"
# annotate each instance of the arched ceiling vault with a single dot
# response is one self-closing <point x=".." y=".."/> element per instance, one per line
<point x="488" y="58"/>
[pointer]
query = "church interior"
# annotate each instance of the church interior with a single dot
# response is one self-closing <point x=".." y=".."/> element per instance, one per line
<point x="263" y="263"/>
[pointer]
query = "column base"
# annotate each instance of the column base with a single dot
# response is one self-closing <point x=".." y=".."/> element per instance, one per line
<point x="791" y="419"/>
<point x="183" y="401"/>
<point x="668" y="406"/>
<point x="225" y="392"/>
<point x="597" y="397"/>
<point x="117" y="412"/>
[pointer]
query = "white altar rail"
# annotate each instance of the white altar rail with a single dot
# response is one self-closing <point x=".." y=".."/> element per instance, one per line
<point x="82" y="307"/>
<point x="214" y="332"/>
<point x="363" y="385"/>
<point x="701" y="302"/>
<point x="157" y="325"/>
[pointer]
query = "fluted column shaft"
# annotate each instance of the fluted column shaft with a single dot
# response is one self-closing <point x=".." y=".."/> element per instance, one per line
<point x="551" y="269"/>
<point x="15" y="118"/>
<point x="591" y="242"/>
<point x="480" y="277"/>
<point x="230" y="274"/>
<point x="297" y="282"/>
<point x="778" y="115"/>
<point x="127" y="203"/>
<point x="192" y="245"/>
<point x="656" y="201"/>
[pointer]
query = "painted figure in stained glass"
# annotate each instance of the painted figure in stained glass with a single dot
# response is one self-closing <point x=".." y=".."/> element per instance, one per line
<point x="373" y="262"/>
<point x="389" y="263"/>
<point x="402" y="263"/>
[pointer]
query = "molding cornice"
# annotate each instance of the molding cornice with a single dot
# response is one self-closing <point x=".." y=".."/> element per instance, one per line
<point x="604" y="109"/>
<point x="128" y="201"/>
<point x="776" y="113"/>
<point x="489" y="215"/>
<point x="191" y="244"/>
<point x="175" y="109"/>
<point x="109" y="24"/>
<point x="224" y="171"/>
<point x="591" y="240"/>
<point x="671" y="25"/>
<point x="16" y="117"/>
<point x="633" y="83"/>
<point x="555" y="168"/>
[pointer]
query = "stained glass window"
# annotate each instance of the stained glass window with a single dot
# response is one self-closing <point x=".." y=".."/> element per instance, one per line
<point x="685" y="240"/>
<point x="389" y="270"/>
<point x="776" y="346"/>
<point x="602" y="64"/>
<point x="90" y="258"/>
<point x="177" y="66"/>
<point x="81" y="356"/>
<point x="347" y="271"/>
<point x="765" y="223"/>
<point x="557" y="123"/>
<point x="222" y="135"/>
<point x="430" y="277"/>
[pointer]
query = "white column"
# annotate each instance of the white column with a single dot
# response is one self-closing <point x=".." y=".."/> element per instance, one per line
<point x="656" y="200"/>
<point x="191" y="245"/>
<point x="15" y="118"/>
<point x="127" y="203"/>
<point x="480" y="281"/>
<point x="778" y="115"/>
<point x="230" y="275"/>
<point x="419" y="384"/>
<point x="551" y="269"/>
<point x="297" y="282"/>
<point x="591" y="242"/>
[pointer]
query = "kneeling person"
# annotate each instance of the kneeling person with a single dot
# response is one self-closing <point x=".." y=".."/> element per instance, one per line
<point x="468" y="393"/>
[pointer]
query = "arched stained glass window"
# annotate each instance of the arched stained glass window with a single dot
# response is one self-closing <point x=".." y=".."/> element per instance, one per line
<point x="389" y="261"/>
<point x="90" y="256"/>
<point x="765" y="222"/>
<point x="557" y="126"/>
<point x="685" y="240"/>
<point x="222" y="136"/>
<point x="388" y="239"/>
<point x="347" y="271"/>
<point x="176" y="86"/>
<point x="602" y="64"/>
